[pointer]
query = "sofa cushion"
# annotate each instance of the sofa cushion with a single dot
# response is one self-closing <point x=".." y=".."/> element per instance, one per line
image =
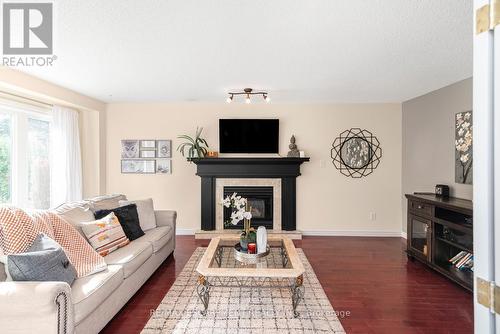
<point x="130" y="257"/>
<point x="106" y="202"/>
<point x="76" y="213"/>
<point x="146" y="212"/>
<point x="158" y="237"/>
<point x="90" y="291"/>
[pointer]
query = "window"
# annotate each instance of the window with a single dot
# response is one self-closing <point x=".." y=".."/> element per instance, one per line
<point x="24" y="156"/>
<point x="5" y="158"/>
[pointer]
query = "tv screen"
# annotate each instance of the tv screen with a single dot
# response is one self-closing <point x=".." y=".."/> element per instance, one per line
<point x="248" y="135"/>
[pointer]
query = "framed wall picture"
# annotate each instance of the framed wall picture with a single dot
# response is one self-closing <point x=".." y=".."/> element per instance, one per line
<point x="164" y="148"/>
<point x="130" y="149"/>
<point x="137" y="166"/>
<point x="164" y="166"/>
<point x="463" y="147"/>
<point x="148" y="153"/>
<point x="148" y="144"/>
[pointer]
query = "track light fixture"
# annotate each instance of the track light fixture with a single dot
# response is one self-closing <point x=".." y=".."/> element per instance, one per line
<point x="248" y="92"/>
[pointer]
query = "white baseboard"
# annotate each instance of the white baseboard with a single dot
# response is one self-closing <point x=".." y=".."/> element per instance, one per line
<point x="347" y="233"/>
<point x="403" y="235"/>
<point x="329" y="233"/>
<point x="184" y="231"/>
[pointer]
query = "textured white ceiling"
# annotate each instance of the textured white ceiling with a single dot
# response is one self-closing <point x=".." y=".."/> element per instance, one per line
<point x="300" y="51"/>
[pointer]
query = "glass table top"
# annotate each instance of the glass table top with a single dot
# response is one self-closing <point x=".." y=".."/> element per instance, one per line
<point x="219" y="260"/>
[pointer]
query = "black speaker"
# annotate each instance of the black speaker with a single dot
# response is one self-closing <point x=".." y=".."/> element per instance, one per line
<point x="442" y="190"/>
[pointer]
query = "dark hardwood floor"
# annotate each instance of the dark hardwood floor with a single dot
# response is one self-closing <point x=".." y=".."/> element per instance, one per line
<point x="369" y="280"/>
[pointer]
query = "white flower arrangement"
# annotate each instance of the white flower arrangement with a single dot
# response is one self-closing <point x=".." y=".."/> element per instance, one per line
<point x="239" y="206"/>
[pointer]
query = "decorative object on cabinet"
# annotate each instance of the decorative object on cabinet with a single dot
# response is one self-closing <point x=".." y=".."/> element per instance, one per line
<point x="356" y="153"/>
<point x="442" y="190"/>
<point x="294" y="152"/>
<point x="439" y="234"/>
<point x="463" y="147"/>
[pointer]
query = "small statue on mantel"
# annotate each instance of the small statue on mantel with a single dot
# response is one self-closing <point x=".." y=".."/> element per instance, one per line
<point x="294" y="152"/>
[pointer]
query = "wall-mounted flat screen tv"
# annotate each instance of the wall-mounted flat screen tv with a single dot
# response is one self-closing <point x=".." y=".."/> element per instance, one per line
<point x="249" y="135"/>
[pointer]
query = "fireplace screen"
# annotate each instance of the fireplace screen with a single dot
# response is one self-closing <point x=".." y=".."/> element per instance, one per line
<point x="260" y="199"/>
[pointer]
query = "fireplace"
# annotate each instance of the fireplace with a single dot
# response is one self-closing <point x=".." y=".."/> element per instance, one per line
<point x="260" y="200"/>
<point x="263" y="173"/>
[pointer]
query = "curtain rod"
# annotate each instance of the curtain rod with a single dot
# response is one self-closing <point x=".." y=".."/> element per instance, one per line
<point x="26" y="98"/>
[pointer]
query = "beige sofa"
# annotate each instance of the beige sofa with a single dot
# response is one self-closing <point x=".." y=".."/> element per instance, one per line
<point x="92" y="301"/>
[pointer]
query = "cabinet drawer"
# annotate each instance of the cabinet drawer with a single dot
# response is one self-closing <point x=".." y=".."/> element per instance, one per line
<point x="420" y="208"/>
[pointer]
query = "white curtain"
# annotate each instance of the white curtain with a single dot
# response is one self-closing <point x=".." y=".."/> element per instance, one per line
<point x="66" y="159"/>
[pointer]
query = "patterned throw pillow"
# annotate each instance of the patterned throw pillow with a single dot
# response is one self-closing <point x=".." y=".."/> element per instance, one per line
<point x="105" y="235"/>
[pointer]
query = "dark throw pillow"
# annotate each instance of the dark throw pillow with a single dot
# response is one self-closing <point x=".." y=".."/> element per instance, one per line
<point x="45" y="260"/>
<point x="129" y="220"/>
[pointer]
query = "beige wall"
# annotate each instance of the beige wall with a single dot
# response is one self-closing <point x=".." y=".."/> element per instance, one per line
<point x="428" y="140"/>
<point x="327" y="202"/>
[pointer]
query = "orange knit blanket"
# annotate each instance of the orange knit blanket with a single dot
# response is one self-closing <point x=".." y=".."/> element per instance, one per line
<point x="18" y="230"/>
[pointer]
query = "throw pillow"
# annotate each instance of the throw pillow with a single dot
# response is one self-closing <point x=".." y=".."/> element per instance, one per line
<point x="129" y="219"/>
<point x="105" y="235"/>
<point x="45" y="260"/>
<point x="146" y="212"/>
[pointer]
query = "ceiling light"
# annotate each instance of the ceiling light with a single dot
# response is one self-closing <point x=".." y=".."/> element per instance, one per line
<point x="248" y="92"/>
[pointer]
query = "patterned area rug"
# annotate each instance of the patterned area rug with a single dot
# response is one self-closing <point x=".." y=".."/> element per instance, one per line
<point x="242" y="310"/>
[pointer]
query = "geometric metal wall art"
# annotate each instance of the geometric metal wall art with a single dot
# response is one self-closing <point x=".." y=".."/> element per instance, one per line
<point x="356" y="153"/>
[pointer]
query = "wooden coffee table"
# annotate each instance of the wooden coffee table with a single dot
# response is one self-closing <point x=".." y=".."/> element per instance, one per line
<point x="282" y="268"/>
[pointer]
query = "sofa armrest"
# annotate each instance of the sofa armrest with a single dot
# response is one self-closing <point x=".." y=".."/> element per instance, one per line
<point x="36" y="307"/>
<point x="166" y="218"/>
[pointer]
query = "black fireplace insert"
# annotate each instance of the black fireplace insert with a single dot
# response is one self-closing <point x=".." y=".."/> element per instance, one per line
<point x="260" y="199"/>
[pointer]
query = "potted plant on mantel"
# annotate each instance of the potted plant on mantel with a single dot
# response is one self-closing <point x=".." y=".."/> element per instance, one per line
<point x="196" y="147"/>
<point x="241" y="211"/>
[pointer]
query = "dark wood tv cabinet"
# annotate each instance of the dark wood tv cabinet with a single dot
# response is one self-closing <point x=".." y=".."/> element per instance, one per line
<point x="438" y="229"/>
